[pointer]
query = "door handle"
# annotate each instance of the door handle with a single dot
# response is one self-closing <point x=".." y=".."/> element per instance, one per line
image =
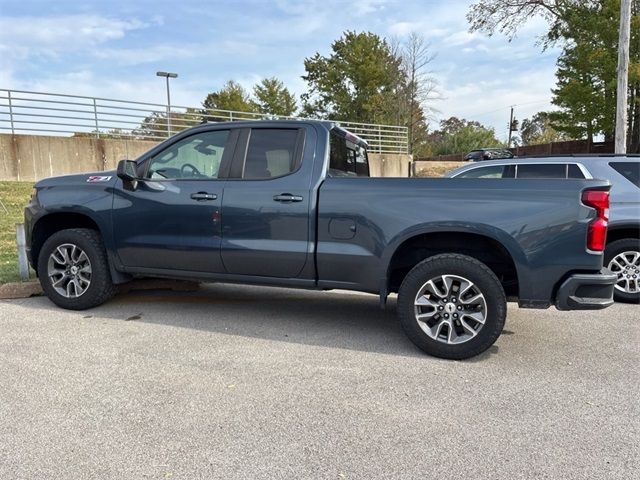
<point x="287" y="197"/>
<point x="204" y="196"/>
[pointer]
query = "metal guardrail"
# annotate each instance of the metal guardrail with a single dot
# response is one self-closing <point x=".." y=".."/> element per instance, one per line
<point x="23" y="111"/>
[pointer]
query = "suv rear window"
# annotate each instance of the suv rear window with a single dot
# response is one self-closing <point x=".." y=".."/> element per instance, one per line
<point x="574" y="171"/>
<point x="542" y="170"/>
<point x="493" y="171"/>
<point x="346" y="159"/>
<point x="629" y="170"/>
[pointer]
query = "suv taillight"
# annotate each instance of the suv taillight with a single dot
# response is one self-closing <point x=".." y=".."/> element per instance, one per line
<point x="597" y="231"/>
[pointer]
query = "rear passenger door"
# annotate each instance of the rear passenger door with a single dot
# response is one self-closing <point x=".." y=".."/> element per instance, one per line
<point x="265" y="209"/>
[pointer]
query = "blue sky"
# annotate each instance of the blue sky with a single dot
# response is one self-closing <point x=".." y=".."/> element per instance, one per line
<point x="113" y="49"/>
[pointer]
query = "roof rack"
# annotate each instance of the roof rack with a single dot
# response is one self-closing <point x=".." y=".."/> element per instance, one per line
<point x="581" y="155"/>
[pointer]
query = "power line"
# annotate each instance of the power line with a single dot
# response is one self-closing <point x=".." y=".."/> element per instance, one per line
<point x="485" y="113"/>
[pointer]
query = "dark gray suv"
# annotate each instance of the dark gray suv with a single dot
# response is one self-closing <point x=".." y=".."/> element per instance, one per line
<point x="622" y="254"/>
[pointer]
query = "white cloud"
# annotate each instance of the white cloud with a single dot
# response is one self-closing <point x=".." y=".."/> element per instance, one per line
<point x="488" y="100"/>
<point x="152" y="54"/>
<point x="462" y="37"/>
<point x="56" y="34"/>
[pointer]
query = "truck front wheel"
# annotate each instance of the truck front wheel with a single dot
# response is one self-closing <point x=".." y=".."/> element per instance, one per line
<point x="73" y="269"/>
<point x="452" y="306"/>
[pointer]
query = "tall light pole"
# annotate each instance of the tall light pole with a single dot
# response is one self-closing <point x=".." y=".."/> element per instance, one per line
<point x="623" y="77"/>
<point x="168" y="75"/>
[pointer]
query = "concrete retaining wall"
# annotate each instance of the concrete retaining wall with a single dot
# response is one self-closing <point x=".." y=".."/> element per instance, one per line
<point x="434" y="169"/>
<point x="389" y="164"/>
<point x="33" y="157"/>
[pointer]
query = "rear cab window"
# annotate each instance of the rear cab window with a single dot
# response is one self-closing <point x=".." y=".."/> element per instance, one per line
<point x="346" y="157"/>
<point x="272" y="153"/>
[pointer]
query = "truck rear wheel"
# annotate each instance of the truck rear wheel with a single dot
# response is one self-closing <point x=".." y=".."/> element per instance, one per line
<point x="73" y="269"/>
<point x="452" y="306"/>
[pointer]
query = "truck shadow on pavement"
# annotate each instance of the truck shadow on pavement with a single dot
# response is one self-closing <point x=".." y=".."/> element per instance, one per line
<point x="349" y="321"/>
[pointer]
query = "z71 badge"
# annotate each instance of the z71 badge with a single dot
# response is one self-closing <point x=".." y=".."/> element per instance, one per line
<point x="98" y="178"/>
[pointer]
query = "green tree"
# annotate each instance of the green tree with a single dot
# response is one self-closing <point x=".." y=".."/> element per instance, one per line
<point x="155" y="125"/>
<point x="460" y="136"/>
<point x="538" y="130"/>
<point x="587" y="71"/>
<point x="587" y="30"/>
<point x="274" y="98"/>
<point x="232" y="96"/>
<point x="357" y="82"/>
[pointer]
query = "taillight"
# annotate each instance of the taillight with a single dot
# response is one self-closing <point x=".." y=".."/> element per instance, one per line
<point x="597" y="232"/>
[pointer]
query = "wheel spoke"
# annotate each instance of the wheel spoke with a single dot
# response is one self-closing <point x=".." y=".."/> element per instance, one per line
<point x="431" y="286"/>
<point x="476" y="316"/>
<point x="82" y="257"/>
<point x="58" y="282"/>
<point x="471" y="300"/>
<point x="423" y="301"/>
<point x="448" y="281"/>
<point x="64" y="254"/>
<point x="465" y="286"/>
<point x="452" y="335"/>
<point x="437" y="329"/>
<point x="615" y="262"/>
<point x="468" y="327"/>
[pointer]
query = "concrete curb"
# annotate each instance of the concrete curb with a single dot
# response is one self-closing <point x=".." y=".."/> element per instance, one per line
<point x="20" y="290"/>
<point x="9" y="291"/>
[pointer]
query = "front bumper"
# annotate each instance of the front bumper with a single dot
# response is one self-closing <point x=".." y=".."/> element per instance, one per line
<point x="587" y="291"/>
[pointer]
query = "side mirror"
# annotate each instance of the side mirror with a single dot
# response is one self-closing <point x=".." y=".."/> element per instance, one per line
<point x="127" y="173"/>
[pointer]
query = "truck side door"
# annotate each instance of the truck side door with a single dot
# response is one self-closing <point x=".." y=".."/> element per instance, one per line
<point x="266" y="204"/>
<point x="172" y="219"/>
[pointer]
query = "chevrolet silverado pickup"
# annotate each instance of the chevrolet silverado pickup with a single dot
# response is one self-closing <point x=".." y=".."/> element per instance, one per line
<point x="291" y="204"/>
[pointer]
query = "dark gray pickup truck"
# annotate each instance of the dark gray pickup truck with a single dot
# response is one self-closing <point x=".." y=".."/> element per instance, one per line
<point x="290" y="203"/>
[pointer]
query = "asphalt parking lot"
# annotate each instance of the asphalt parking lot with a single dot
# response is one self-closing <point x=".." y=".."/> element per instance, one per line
<point x="252" y="382"/>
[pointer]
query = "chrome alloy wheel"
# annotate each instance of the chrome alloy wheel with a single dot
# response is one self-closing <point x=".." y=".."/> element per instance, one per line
<point x="450" y="309"/>
<point x="69" y="270"/>
<point x="627" y="266"/>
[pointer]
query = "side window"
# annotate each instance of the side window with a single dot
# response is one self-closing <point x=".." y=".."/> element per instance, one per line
<point x="494" y="171"/>
<point x="271" y="153"/>
<point x="573" y="171"/>
<point x="196" y="157"/>
<point x="542" y="170"/>
<point x="629" y="170"/>
<point x="346" y="159"/>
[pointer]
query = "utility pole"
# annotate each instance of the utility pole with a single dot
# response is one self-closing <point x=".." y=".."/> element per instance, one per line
<point x="510" y="128"/>
<point x="623" y="77"/>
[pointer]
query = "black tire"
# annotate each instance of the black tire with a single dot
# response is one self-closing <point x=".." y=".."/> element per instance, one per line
<point x="100" y="288"/>
<point x="483" y="280"/>
<point x="610" y="252"/>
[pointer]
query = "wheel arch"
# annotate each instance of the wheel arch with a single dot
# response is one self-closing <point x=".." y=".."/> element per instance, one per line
<point x="619" y="231"/>
<point x="487" y="244"/>
<point x="55" y="221"/>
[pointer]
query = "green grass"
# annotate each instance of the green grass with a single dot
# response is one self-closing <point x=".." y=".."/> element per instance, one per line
<point x="14" y="196"/>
